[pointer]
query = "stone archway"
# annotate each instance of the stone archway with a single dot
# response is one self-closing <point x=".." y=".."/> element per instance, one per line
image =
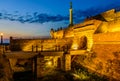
<point x="83" y="43"/>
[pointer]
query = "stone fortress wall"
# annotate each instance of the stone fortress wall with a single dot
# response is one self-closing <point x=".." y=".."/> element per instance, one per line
<point x="40" y="44"/>
<point x="98" y="35"/>
<point x="105" y="55"/>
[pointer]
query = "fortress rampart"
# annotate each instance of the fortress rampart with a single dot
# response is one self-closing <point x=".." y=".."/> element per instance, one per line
<point x="99" y="36"/>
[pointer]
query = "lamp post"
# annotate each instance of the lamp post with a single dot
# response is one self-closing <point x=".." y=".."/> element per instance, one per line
<point x="1" y="38"/>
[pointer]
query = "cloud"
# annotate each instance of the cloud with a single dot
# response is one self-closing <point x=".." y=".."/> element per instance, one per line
<point x="80" y="15"/>
<point x="36" y="17"/>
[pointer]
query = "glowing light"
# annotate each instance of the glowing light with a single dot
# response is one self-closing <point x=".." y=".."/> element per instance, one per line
<point x="49" y="63"/>
<point x="1" y="34"/>
<point x="75" y="46"/>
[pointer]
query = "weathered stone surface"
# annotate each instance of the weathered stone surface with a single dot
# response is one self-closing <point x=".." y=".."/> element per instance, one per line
<point x="5" y="69"/>
<point x="101" y="41"/>
<point x="41" y="44"/>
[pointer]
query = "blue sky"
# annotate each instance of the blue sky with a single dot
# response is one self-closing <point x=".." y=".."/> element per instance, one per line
<point x="30" y="18"/>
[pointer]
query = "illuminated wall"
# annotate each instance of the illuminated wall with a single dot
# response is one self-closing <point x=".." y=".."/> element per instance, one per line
<point x="103" y="23"/>
<point x="40" y="44"/>
<point x="112" y="22"/>
<point x="99" y="35"/>
<point x="107" y="49"/>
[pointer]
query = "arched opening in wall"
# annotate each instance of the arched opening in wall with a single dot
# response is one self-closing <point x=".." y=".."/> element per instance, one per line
<point x="83" y="43"/>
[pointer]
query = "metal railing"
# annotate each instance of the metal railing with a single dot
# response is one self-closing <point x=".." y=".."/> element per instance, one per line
<point x="36" y="48"/>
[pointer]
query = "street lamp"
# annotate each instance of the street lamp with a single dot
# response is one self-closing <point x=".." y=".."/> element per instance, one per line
<point x="1" y="38"/>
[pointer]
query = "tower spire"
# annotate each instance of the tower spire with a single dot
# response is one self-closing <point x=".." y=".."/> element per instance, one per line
<point x="71" y="15"/>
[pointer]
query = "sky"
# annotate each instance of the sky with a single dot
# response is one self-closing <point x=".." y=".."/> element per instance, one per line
<point x="35" y="18"/>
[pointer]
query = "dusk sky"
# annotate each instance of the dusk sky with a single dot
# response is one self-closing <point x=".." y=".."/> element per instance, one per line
<point x="33" y="18"/>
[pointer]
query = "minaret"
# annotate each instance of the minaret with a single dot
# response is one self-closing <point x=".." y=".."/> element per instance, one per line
<point x="71" y="15"/>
